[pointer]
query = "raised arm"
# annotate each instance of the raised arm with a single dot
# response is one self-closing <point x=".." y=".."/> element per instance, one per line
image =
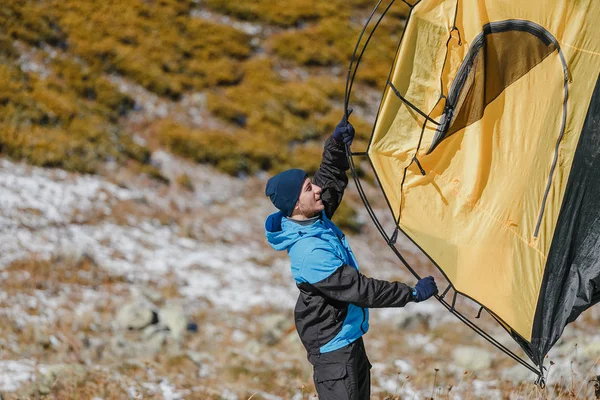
<point x="331" y="175"/>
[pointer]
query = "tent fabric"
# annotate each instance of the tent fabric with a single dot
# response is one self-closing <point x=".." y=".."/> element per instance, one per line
<point x="506" y="204"/>
<point x="571" y="283"/>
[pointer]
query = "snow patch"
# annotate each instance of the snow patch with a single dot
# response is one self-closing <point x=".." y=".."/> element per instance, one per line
<point x="14" y="373"/>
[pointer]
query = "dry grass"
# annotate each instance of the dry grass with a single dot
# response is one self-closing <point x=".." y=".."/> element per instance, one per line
<point x="74" y="117"/>
<point x="26" y="276"/>
<point x="157" y="44"/>
<point x="234" y="349"/>
<point x="66" y="120"/>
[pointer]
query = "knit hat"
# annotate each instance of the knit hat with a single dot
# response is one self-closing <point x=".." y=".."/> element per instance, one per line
<point x="284" y="189"/>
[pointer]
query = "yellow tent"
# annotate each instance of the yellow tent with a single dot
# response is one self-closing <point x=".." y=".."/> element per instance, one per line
<point x="487" y="148"/>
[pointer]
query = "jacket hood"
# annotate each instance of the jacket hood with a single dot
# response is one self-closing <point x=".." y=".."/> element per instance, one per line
<point x="282" y="233"/>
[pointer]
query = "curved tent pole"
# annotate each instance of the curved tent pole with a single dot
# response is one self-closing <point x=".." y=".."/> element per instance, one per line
<point x="352" y="74"/>
<point x="352" y="71"/>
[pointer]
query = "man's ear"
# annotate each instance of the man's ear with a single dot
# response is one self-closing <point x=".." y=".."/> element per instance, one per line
<point x="296" y="209"/>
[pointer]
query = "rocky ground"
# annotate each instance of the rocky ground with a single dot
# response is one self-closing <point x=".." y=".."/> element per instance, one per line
<point x="123" y="287"/>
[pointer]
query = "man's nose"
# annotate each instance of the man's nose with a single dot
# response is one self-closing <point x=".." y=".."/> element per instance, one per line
<point x="317" y="189"/>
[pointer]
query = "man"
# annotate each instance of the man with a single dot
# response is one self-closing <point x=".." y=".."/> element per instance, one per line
<point x="332" y="313"/>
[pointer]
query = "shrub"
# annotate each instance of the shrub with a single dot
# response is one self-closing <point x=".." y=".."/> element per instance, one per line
<point x="216" y="148"/>
<point x="49" y="123"/>
<point x="157" y="44"/>
<point x="329" y="42"/>
<point x="266" y="104"/>
<point x="279" y="117"/>
<point x="30" y="22"/>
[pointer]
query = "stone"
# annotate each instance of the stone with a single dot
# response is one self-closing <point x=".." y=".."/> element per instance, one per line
<point x="152" y="341"/>
<point x="65" y="374"/>
<point x="136" y="314"/>
<point x="173" y="317"/>
<point x="121" y="348"/>
<point x="155" y="337"/>
<point x="472" y="358"/>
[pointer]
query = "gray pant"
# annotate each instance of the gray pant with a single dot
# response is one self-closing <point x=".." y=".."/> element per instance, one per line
<point x="343" y="374"/>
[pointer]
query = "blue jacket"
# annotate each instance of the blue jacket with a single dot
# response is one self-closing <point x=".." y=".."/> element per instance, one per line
<point x="316" y="252"/>
<point x="332" y="307"/>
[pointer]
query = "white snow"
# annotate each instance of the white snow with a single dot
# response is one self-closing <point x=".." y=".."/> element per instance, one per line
<point x="39" y="210"/>
<point x="13" y="373"/>
<point x="246" y="27"/>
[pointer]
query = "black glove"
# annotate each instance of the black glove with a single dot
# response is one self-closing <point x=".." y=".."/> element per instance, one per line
<point x="425" y="288"/>
<point x="344" y="131"/>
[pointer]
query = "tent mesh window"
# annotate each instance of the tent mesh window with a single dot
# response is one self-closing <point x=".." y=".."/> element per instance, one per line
<point x="501" y="54"/>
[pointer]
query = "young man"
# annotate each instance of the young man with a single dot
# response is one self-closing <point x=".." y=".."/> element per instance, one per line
<point x="332" y="313"/>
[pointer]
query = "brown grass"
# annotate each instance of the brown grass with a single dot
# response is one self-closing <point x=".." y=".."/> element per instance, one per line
<point x="25" y="276"/>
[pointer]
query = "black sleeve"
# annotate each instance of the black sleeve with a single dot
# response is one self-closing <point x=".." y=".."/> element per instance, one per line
<point x="348" y="285"/>
<point x="331" y="175"/>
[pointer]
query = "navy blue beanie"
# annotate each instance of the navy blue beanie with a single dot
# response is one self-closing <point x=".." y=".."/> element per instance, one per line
<point x="284" y="189"/>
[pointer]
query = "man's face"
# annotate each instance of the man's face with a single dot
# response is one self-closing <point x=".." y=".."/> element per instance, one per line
<point x="309" y="202"/>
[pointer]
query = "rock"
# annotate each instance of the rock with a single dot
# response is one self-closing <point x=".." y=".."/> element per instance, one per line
<point x="120" y="348"/>
<point x="273" y="328"/>
<point x="136" y="314"/>
<point x="173" y="317"/>
<point x="155" y="337"/>
<point x="65" y="374"/>
<point x="472" y="358"/>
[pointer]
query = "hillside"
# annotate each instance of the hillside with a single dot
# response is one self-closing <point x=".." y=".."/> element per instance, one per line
<point x="135" y="141"/>
<point x="261" y="84"/>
